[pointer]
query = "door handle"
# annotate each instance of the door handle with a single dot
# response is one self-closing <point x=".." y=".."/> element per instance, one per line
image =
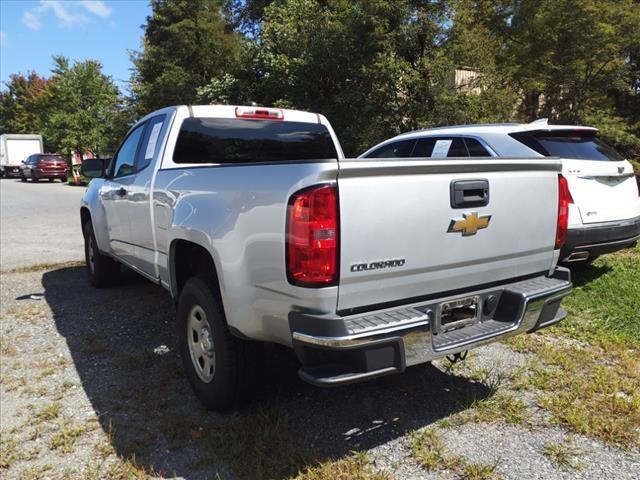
<point x="469" y="193"/>
<point x="121" y="192"/>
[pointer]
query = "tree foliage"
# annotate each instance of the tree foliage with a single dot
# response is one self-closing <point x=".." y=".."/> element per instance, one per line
<point x="84" y="107"/>
<point x="186" y="43"/>
<point x="77" y="108"/>
<point x="375" y="68"/>
<point x="24" y="104"/>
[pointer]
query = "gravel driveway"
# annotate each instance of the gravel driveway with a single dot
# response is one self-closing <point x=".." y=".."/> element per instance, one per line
<point x="92" y="386"/>
<point x="40" y="223"/>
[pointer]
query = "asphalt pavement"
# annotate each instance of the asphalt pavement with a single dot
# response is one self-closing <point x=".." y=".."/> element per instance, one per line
<point x="40" y="223"/>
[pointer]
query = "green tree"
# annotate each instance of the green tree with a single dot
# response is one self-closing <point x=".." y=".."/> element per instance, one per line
<point x="186" y="44"/>
<point x="24" y="105"/>
<point x="85" y="108"/>
<point x="565" y="57"/>
<point x="372" y="67"/>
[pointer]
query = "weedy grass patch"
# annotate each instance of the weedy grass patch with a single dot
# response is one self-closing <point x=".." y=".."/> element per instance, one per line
<point x="501" y="406"/>
<point x="428" y="449"/>
<point x="8" y="451"/>
<point x="47" y="412"/>
<point x="604" y="306"/>
<point x="593" y="391"/>
<point x="563" y="455"/>
<point x="357" y="466"/>
<point x="257" y="446"/>
<point x="586" y="369"/>
<point x="65" y="439"/>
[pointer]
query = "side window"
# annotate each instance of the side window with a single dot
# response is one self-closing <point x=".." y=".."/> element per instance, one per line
<point x="457" y="148"/>
<point x="399" y="149"/>
<point x="150" y="143"/>
<point x="440" y="147"/>
<point x="424" y="147"/>
<point x="475" y="148"/>
<point x="124" y="161"/>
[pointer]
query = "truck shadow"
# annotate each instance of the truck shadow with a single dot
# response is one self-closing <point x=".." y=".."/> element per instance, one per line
<point x="122" y="344"/>
<point x="583" y="273"/>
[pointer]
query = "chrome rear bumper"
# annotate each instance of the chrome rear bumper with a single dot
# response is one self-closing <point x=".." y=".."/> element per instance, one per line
<point x="339" y="350"/>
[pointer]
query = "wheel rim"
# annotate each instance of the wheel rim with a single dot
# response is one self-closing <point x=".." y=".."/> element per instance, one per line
<point x="200" y="341"/>
<point x="90" y="255"/>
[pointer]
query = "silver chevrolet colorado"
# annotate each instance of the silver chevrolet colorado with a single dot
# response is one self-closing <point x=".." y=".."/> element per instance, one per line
<point x="262" y="231"/>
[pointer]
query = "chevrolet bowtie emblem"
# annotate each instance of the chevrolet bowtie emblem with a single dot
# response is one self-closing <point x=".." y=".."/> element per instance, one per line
<point x="469" y="224"/>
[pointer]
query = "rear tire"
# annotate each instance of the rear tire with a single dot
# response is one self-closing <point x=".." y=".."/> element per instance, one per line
<point x="51" y="180"/>
<point x="34" y="178"/>
<point x="221" y="368"/>
<point x="103" y="271"/>
<point x="63" y="179"/>
<point x="23" y="178"/>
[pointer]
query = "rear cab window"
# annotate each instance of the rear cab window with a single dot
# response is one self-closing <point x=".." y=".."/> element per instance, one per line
<point x="237" y="141"/>
<point x="571" y="144"/>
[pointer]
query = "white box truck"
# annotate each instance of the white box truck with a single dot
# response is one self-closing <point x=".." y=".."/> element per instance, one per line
<point x="14" y="149"/>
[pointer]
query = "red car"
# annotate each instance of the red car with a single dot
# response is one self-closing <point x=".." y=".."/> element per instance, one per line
<point x="44" y="165"/>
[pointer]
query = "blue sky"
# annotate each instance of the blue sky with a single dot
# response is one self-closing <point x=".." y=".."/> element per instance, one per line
<point x="32" y="31"/>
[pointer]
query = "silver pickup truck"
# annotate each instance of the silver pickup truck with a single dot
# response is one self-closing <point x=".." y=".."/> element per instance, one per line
<point x="262" y="231"/>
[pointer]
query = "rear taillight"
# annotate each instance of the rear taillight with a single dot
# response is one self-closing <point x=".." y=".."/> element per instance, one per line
<point x="260" y="113"/>
<point x="564" y="199"/>
<point x="312" y="237"/>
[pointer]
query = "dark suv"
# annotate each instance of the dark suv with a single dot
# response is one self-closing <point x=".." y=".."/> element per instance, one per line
<point x="44" y="165"/>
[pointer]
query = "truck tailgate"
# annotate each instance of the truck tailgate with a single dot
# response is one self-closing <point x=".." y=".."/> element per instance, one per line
<point x="401" y="238"/>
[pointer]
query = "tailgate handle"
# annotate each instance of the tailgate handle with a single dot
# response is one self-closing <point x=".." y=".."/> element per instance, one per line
<point x="469" y="193"/>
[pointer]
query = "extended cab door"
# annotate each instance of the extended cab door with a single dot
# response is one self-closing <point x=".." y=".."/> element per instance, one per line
<point x="141" y="235"/>
<point x="114" y="194"/>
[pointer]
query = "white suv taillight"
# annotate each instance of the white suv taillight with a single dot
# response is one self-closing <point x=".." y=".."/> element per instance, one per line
<point x="312" y="237"/>
<point x="564" y="199"/>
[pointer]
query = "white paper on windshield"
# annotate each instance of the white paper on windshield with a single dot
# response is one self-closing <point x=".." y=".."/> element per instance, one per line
<point x="153" y="139"/>
<point x="441" y="148"/>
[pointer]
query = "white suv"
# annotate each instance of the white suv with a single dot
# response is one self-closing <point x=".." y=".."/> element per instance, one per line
<point x="605" y="213"/>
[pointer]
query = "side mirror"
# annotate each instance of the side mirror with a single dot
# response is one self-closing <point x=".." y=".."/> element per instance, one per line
<point x="94" y="167"/>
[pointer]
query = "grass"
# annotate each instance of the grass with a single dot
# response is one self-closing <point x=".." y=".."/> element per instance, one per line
<point x="501" y="406"/>
<point x="257" y="446"/>
<point x="357" y="466"/>
<point x="120" y="469"/>
<point x="48" y="412"/>
<point x="8" y="451"/>
<point x="34" y="472"/>
<point x="604" y="307"/>
<point x="66" y="438"/>
<point x="586" y="370"/>
<point x="44" y="266"/>
<point x="427" y="448"/>
<point x="591" y="390"/>
<point x="562" y="455"/>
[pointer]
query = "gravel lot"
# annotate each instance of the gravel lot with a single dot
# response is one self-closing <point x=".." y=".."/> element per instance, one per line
<point x="91" y="377"/>
<point x="91" y="387"/>
<point x="40" y="223"/>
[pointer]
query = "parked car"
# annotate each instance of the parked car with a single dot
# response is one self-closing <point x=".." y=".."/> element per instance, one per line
<point x="44" y="165"/>
<point x="14" y="149"/>
<point x="604" y="211"/>
<point x="262" y="231"/>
